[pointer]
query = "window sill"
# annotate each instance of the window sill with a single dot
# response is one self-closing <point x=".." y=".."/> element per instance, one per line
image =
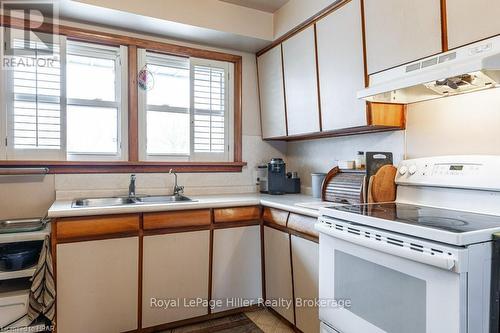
<point x="73" y="167"/>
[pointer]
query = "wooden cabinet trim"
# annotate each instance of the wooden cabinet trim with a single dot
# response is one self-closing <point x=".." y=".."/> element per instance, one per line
<point x="284" y="88"/>
<point x="303" y="224"/>
<point x="317" y="78"/>
<point x="107" y="226"/>
<point x="176" y="219"/>
<point x="339" y="133"/>
<point x="444" y="26"/>
<point x="236" y="214"/>
<point x="275" y="216"/>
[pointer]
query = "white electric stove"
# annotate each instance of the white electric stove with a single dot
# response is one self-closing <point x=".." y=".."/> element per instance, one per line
<point x="423" y="264"/>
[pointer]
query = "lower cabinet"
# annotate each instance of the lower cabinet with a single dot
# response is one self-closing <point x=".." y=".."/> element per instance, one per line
<point x="279" y="286"/>
<point x="97" y="286"/>
<point x="175" y="271"/>
<point x="305" y="261"/>
<point x="236" y="268"/>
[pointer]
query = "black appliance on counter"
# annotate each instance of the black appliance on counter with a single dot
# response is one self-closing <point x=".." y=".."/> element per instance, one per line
<point x="278" y="180"/>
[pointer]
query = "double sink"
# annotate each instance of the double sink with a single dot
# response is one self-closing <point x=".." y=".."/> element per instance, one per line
<point x="122" y="201"/>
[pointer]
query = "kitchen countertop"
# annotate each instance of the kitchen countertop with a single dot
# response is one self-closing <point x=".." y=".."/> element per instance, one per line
<point x="62" y="208"/>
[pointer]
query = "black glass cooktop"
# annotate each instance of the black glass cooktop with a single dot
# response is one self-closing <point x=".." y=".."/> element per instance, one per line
<point x="443" y="219"/>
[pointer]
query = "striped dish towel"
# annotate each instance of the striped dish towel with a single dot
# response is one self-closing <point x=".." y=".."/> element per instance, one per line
<point x="43" y="292"/>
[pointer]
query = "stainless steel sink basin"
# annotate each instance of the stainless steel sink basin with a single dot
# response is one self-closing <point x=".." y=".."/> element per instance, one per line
<point x="121" y="201"/>
<point x="103" y="202"/>
<point x="163" y="199"/>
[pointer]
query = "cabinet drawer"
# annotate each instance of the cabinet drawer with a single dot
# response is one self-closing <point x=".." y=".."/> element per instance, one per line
<point x="275" y="216"/>
<point x="185" y="218"/>
<point x="238" y="214"/>
<point x="303" y="224"/>
<point x="72" y="228"/>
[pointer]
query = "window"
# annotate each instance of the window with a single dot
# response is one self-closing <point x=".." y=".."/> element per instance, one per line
<point x="71" y="109"/>
<point x="95" y="112"/>
<point x="34" y="99"/>
<point x="185" y="111"/>
<point x="77" y="108"/>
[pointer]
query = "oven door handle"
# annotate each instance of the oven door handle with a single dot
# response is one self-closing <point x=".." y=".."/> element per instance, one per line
<point x="396" y="250"/>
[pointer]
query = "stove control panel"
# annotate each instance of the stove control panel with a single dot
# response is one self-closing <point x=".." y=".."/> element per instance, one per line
<point x="468" y="172"/>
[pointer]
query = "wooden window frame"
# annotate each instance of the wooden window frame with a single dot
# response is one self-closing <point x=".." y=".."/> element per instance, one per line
<point x="133" y="164"/>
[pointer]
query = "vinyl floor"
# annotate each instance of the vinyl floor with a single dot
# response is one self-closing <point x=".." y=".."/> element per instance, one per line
<point x="260" y="321"/>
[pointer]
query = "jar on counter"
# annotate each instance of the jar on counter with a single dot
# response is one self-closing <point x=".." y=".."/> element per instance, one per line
<point x="360" y="160"/>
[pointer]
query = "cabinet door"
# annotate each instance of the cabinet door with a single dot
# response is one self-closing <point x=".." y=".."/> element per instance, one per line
<point x="97" y="286"/>
<point x="278" y="272"/>
<point x="341" y="68"/>
<point x="236" y="270"/>
<point x="401" y="31"/>
<point x="471" y="21"/>
<point x="305" y="260"/>
<point x="301" y="86"/>
<point x="175" y="267"/>
<point x="272" y="94"/>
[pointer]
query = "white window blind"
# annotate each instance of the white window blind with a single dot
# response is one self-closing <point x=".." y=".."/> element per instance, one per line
<point x="209" y="94"/>
<point x="186" y="113"/>
<point x="63" y="101"/>
<point x="34" y="99"/>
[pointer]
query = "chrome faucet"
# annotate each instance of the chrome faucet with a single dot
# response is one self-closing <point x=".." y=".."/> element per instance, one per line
<point x="178" y="190"/>
<point x="131" y="187"/>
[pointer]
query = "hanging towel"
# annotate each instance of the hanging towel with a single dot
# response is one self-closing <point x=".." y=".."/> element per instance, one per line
<point x="43" y="292"/>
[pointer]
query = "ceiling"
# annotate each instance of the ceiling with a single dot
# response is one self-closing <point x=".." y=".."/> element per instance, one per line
<point x="269" y="6"/>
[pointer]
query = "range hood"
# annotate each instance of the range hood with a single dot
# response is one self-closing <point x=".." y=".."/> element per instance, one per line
<point x="470" y="68"/>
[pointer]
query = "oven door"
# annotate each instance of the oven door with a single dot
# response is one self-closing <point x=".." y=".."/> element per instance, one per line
<point x="387" y="293"/>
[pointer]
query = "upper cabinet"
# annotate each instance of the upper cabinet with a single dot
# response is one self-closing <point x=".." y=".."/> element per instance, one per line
<point x="308" y="82"/>
<point x="401" y="31"/>
<point x="299" y="60"/>
<point x="341" y="67"/>
<point x="470" y="21"/>
<point x="272" y="94"/>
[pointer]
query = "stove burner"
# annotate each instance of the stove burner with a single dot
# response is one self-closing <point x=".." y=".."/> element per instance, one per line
<point x="438" y="221"/>
<point x="424" y="216"/>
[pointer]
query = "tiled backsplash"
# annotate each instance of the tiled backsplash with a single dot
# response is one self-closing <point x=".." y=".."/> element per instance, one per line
<point x="255" y="152"/>
<point x="321" y="155"/>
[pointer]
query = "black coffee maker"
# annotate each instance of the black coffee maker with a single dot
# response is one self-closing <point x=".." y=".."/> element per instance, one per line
<point x="278" y="181"/>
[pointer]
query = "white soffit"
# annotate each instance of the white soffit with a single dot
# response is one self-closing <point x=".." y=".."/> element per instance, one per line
<point x="269" y="6"/>
<point x="82" y="12"/>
